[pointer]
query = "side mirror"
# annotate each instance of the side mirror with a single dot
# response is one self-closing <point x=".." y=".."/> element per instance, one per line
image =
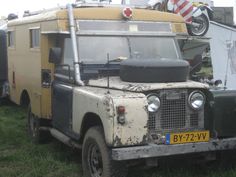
<point x="55" y="55"/>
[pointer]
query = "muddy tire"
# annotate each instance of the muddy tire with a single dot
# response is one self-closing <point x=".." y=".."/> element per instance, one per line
<point x="37" y="136"/>
<point x="154" y="70"/>
<point x="96" y="159"/>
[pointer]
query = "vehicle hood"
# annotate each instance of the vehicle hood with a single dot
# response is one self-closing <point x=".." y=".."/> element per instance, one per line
<point x="118" y="84"/>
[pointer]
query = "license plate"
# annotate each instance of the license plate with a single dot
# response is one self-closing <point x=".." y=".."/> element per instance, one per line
<point x="187" y="137"/>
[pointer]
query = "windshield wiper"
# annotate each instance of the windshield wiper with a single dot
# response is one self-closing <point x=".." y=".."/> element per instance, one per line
<point x="118" y="59"/>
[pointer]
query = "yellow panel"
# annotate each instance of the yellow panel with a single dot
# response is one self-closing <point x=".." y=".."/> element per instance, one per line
<point x="46" y="43"/>
<point x="179" y="28"/>
<point x="116" y="14"/>
<point x="25" y="63"/>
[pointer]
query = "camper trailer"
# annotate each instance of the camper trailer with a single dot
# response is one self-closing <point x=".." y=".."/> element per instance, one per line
<point x="110" y="80"/>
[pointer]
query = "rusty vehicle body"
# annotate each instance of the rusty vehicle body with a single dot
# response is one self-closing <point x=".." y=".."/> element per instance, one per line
<point x="92" y="101"/>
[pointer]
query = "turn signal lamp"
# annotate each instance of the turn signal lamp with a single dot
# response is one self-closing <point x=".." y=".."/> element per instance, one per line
<point x="121" y="114"/>
<point x="120" y="110"/>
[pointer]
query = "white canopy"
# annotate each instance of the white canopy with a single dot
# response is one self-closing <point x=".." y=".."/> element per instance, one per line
<point x="223" y="53"/>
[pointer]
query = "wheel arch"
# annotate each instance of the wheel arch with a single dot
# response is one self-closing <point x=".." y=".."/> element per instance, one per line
<point x="24" y="98"/>
<point x="90" y="120"/>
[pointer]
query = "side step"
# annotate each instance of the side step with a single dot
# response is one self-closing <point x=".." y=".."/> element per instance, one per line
<point x="62" y="137"/>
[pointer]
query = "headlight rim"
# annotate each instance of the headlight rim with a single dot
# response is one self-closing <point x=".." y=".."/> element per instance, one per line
<point x="191" y="95"/>
<point x="153" y="94"/>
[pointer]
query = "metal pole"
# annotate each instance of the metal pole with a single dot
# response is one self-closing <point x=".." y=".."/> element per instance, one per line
<point x="74" y="45"/>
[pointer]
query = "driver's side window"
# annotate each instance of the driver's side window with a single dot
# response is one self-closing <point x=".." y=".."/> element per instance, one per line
<point x="64" y="71"/>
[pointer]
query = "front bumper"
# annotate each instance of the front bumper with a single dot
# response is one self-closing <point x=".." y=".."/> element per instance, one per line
<point x="153" y="150"/>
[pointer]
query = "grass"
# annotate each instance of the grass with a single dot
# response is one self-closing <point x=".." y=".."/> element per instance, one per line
<point x="21" y="158"/>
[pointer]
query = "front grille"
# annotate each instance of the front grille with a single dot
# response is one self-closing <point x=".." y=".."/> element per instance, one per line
<point x="194" y="120"/>
<point x="175" y="113"/>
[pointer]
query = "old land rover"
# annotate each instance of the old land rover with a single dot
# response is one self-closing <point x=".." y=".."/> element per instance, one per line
<point x="110" y="80"/>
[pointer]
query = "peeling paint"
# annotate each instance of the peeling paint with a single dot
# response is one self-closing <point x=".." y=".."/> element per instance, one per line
<point x="107" y="102"/>
<point x="132" y="140"/>
<point x="117" y="84"/>
<point x="145" y="139"/>
<point x="136" y="88"/>
<point x="117" y="141"/>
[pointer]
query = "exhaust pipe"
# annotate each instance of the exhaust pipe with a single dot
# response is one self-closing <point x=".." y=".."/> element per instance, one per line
<point x="74" y="45"/>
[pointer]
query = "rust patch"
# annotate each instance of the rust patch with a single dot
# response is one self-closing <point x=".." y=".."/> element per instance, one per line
<point x="108" y="106"/>
<point x="107" y="103"/>
<point x="132" y="141"/>
<point x="145" y="139"/>
<point x="117" y="141"/>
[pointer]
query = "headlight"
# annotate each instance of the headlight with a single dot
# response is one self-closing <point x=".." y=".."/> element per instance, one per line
<point x="154" y="103"/>
<point x="196" y="100"/>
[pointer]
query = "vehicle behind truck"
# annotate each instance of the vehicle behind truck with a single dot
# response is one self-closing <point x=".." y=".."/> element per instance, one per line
<point x="110" y="80"/>
<point x="3" y="64"/>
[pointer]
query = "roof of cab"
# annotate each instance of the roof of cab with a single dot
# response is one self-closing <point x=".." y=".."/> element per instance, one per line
<point x="100" y="13"/>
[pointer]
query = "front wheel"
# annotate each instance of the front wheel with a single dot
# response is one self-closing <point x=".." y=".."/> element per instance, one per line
<point x="96" y="159"/>
<point x="199" y="26"/>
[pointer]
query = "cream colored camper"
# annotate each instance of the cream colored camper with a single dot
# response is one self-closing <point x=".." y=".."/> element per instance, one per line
<point x="110" y="80"/>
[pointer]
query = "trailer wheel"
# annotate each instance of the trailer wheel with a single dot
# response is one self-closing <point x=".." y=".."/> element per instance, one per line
<point x="37" y="136"/>
<point x="96" y="159"/>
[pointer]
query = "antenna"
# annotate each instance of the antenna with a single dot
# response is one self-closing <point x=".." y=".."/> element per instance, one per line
<point x="108" y="73"/>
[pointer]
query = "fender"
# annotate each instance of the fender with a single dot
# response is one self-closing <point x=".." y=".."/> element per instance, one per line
<point x="197" y="11"/>
<point x="208" y="11"/>
<point x="152" y="3"/>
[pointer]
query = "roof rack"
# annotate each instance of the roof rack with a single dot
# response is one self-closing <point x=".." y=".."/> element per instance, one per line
<point x="83" y="4"/>
<point x="104" y="3"/>
<point x="28" y="13"/>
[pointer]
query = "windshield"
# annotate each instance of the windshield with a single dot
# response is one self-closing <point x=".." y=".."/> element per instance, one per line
<point x="96" y="49"/>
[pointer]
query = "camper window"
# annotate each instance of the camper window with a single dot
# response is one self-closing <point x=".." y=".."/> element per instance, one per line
<point x="11" y="38"/>
<point x="34" y="38"/>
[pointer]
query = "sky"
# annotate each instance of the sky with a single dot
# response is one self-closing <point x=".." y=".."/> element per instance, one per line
<point x="19" y="6"/>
